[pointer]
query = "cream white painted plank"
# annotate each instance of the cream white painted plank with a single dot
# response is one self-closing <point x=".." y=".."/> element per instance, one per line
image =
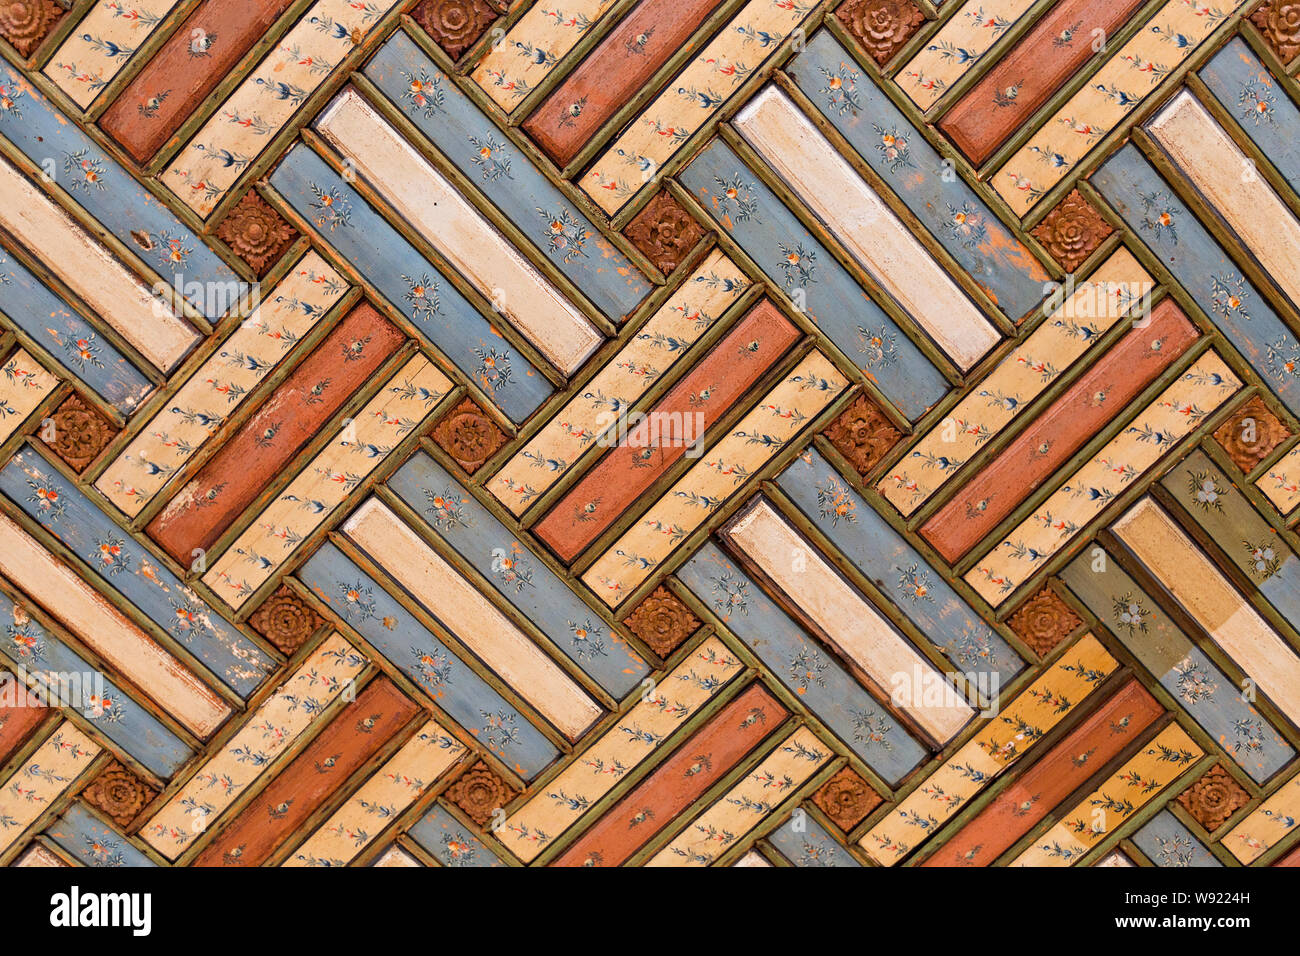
<point x="1206" y="595"/>
<point x="117" y="295"/>
<point x="1206" y="155"/>
<point x="472" y="618"/>
<point x="459" y="231"/>
<point x="851" y="622"/>
<point x="108" y="633"/>
<point x="780" y="133"/>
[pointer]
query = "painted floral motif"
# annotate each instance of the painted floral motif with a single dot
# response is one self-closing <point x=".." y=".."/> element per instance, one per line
<point x="798" y="265"/>
<point x="425" y="92"/>
<point x="490" y="157"/>
<point x="565" y="234"/>
<point x="1205" y="492"/>
<point x="893" y="147"/>
<point x="1257" y="102"/>
<point x="736" y="198"/>
<point x="841" y="90"/>
<point x="1263" y="560"/>
<point x="1228" y="295"/>
<point x="422" y="294"/>
<point x="835" y="503"/>
<point x="1158" y="216"/>
<point x="87" y="171"/>
<point x="493" y="370"/>
<point x="965" y="225"/>
<point x="879" y="345"/>
<point x="333" y="209"/>
<point x="1195" y="683"/>
<point x="806" y="669"/>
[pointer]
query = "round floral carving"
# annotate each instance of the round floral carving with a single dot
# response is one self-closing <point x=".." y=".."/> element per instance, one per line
<point x="1279" y="21"/>
<point x="1251" y="434"/>
<point x="480" y="791"/>
<point x="662" y="621"/>
<point x="24" y="23"/>
<point x="79" y="433"/>
<point x="1213" y="798"/>
<point x="1071" y="231"/>
<point x="454" y="24"/>
<point x="468" y="435"/>
<point x="1044" y="621"/>
<point x="847" y="799"/>
<point x="863" y="434"/>
<point x="285" y="620"/>
<point x="664" y="232"/>
<point x="256" y="232"/>
<point x="119" y="793"/>
<point x="881" y="26"/>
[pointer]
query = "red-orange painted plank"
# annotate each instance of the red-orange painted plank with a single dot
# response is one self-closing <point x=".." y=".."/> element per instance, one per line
<point x="352" y="738"/>
<point x="613" y="72"/>
<point x="290" y="418"/>
<point x="698" y="764"/>
<point x="706" y="392"/>
<point x="1053" y="778"/>
<point x="18" y="720"/>
<point x="1030" y="73"/>
<point x="185" y="70"/>
<point x="1101" y="393"/>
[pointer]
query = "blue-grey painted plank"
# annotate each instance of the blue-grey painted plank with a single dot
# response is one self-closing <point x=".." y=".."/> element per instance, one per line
<point x="1219" y="507"/>
<point x="76" y="348"/>
<point x="810" y="845"/>
<point x="128" y="211"/>
<point x="1193" y="680"/>
<point x="767" y="231"/>
<point x="128" y="569"/>
<point x="1141" y="197"/>
<point x="514" y="184"/>
<point x="952" y="211"/>
<point x="899" y="570"/>
<point x="458" y="518"/>
<point x="93" y="842"/>
<point x="449" y="842"/>
<point x="418" y="654"/>
<point x="114" y="714"/>
<point x="1166" y="842"/>
<point x="1258" y="103"/>
<point x="379" y="252"/>
<point x="809" y="671"/>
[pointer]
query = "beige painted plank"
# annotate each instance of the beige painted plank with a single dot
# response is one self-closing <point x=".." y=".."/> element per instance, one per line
<point x="221" y="385"/>
<point x="450" y="222"/>
<point x="24" y="383"/>
<point x="396" y="785"/>
<point x="859" y="218"/>
<point x="748" y="803"/>
<point x="262" y="739"/>
<point x="42" y="779"/>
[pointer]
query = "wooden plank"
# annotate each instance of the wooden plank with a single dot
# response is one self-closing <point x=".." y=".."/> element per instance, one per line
<point x="859" y="218"/>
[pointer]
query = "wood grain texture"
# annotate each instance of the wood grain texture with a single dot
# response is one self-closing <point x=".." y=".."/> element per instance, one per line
<point x="700" y="762"/>
<point x="672" y="427"/>
<point x="619" y="65"/>
<point x="289" y="418"/>
<point x="358" y="732"/>
<point x="1096" y="397"/>
<point x="205" y="47"/>
<point x="1031" y="71"/>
